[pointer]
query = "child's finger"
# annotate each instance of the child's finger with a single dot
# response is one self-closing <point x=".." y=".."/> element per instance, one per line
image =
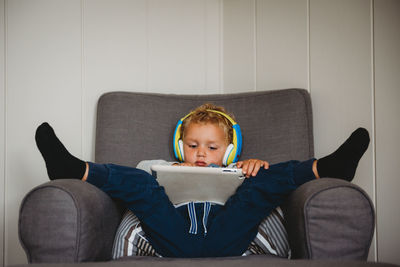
<point x="245" y="168"/>
<point x="251" y="167"/>
<point x="265" y="164"/>
<point x="256" y="168"/>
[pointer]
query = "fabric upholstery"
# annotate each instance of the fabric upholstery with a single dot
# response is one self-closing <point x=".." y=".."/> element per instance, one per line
<point x="269" y="261"/>
<point x="335" y="217"/>
<point x="72" y="221"/>
<point x="63" y="221"/>
<point x="276" y="125"/>
<point x="130" y="239"/>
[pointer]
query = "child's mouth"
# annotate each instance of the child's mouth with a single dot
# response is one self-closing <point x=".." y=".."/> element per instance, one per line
<point x="200" y="163"/>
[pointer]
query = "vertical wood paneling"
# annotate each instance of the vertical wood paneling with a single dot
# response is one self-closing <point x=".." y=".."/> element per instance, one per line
<point x="159" y="46"/>
<point x="43" y="84"/>
<point x="177" y="46"/>
<point x="387" y="97"/>
<point x="63" y="55"/>
<point x="238" y="49"/>
<point x="2" y="123"/>
<point x="213" y="46"/>
<point x="341" y="89"/>
<point x="282" y="52"/>
<point x="115" y="55"/>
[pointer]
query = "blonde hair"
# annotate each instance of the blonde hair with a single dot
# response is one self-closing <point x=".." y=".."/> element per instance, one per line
<point x="204" y="114"/>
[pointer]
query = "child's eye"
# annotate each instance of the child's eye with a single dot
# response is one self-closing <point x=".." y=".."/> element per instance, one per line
<point x="192" y="146"/>
<point x="213" y="148"/>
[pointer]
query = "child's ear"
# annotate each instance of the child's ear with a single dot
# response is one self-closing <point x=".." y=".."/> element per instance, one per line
<point x="180" y="145"/>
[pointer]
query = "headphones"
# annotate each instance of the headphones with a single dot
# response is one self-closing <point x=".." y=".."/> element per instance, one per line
<point x="233" y="150"/>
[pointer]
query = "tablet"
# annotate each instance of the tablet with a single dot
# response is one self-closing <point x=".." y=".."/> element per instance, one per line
<point x="184" y="184"/>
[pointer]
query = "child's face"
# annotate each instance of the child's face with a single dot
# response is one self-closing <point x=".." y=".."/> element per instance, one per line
<point x="204" y="144"/>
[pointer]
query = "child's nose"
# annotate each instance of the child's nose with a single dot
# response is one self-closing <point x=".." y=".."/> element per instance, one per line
<point x="201" y="151"/>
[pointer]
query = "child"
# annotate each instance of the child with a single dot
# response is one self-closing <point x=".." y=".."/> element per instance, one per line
<point x="227" y="230"/>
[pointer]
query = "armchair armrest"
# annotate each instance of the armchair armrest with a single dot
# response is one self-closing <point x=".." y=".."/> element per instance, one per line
<point x="330" y="218"/>
<point x="67" y="221"/>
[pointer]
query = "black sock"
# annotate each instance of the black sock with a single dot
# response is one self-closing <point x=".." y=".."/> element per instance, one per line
<point x="343" y="162"/>
<point x="59" y="162"/>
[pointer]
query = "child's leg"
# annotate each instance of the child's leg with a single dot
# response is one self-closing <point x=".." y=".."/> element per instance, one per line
<point x="59" y="162"/>
<point x="344" y="161"/>
<point x="236" y="224"/>
<point x="165" y="228"/>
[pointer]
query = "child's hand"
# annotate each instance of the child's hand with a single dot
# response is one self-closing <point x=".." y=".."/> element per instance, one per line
<point x="250" y="167"/>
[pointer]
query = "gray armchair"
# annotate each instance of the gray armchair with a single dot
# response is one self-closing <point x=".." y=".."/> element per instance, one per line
<point x="73" y="221"/>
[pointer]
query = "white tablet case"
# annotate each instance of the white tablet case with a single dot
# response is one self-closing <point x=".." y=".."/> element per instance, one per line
<point x="184" y="184"/>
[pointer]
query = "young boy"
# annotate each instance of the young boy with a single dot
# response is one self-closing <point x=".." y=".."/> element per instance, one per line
<point x="227" y="230"/>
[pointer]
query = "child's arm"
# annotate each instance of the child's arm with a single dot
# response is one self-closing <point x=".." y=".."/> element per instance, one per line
<point x="250" y="167"/>
<point x="146" y="164"/>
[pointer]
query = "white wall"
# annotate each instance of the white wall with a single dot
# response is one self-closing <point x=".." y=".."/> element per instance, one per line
<point x="154" y="46"/>
<point x="2" y="128"/>
<point x="60" y="56"/>
<point x="44" y="75"/>
<point x="387" y="111"/>
<point x="346" y="53"/>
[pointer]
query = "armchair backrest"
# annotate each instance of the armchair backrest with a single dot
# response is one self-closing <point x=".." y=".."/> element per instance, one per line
<point x="276" y="125"/>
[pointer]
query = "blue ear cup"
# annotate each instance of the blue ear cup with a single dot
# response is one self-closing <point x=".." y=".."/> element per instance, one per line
<point x="237" y="143"/>
<point x="232" y="152"/>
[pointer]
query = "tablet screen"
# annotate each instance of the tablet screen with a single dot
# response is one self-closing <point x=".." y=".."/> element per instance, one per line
<point x="184" y="184"/>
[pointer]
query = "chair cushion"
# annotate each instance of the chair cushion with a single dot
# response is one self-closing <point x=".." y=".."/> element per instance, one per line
<point x="272" y="238"/>
<point x="276" y="125"/>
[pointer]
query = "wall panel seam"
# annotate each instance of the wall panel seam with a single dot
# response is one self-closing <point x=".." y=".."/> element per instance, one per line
<point x="308" y="47"/>
<point x="146" y="25"/>
<point x="83" y="74"/>
<point x="5" y="25"/>
<point x="221" y="47"/>
<point x="205" y="54"/>
<point x="373" y="93"/>
<point x="255" y="44"/>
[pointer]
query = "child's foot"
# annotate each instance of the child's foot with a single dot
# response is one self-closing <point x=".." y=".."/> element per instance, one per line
<point x="343" y="162"/>
<point x="59" y="162"/>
